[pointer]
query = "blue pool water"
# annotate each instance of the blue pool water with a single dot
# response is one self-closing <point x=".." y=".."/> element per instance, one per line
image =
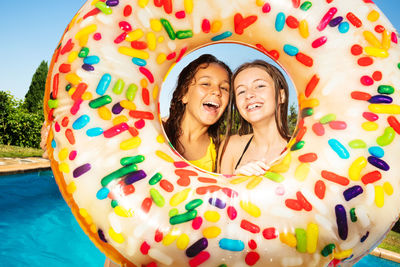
<point x="37" y="227"/>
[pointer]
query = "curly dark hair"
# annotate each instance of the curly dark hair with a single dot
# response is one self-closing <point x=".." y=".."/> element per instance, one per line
<point x="172" y="125"/>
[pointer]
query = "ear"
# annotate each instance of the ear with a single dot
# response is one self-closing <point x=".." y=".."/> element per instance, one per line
<point x="282" y="96"/>
<point x="185" y="99"/>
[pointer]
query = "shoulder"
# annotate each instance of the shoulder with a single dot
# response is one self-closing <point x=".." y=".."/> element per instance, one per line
<point x="237" y="140"/>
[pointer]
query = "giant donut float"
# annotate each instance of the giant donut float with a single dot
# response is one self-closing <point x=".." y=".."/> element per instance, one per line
<point x="330" y="199"/>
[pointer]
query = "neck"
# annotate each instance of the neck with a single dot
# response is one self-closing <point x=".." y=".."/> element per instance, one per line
<point x="266" y="134"/>
<point x="192" y="130"/>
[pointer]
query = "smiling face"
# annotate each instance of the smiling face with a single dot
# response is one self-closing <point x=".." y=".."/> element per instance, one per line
<point x="208" y="94"/>
<point x="255" y="94"/>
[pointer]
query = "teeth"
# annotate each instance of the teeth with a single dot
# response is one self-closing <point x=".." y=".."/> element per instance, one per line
<point x="253" y="106"/>
<point x="211" y="104"/>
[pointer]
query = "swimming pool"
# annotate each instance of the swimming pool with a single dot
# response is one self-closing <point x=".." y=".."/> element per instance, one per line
<point x="37" y="227"/>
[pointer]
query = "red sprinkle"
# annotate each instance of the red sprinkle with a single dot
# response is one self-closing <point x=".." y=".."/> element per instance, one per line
<point x="80" y="89"/>
<point x="180" y="164"/>
<point x="311" y="85"/>
<point x="128" y="189"/>
<point x="357" y="95"/>
<point x="197" y="222"/>
<point x="266" y="8"/>
<point x="270" y="233"/>
<point x="296" y="3"/>
<point x="293" y="204"/>
<point x="171" y="55"/>
<point x="301" y="133"/>
<point x="146" y="204"/>
<point x="70" y="136"/>
<point x="338" y="125"/>
<point x="365" y="61"/>
<point x="318" y="129"/>
<point x="115" y="130"/>
<point x="64" y="122"/>
<point x="145" y="96"/>
<point x="97" y="36"/>
<point x="139" y="124"/>
<point x="57" y="127"/>
<point x="319" y="42"/>
<point x="120" y="38"/>
<point x="158" y="236"/>
<point x="242" y="23"/>
<point x="67" y="47"/>
<point x="125" y="26"/>
<point x="252" y="244"/>
<point x="319" y="189"/>
<point x="232" y="213"/>
<point x="356" y="50"/>
<point x="166" y="3"/>
<point x="354" y="20"/>
<point x="180" y="14"/>
<point x="305" y="204"/>
<point x="304" y="59"/>
<point x="371" y="177"/>
<point x="370" y="116"/>
<point x="133" y="131"/>
<point x="379" y="28"/>
<point x="229" y="192"/>
<point x="333" y="177"/>
<point x="181" y="53"/>
<point x="207" y="180"/>
<point x="251" y="258"/>
<point x="206" y="26"/>
<point x="72" y="155"/>
<point x="377" y="76"/>
<point x="92" y="12"/>
<point x="55" y="85"/>
<point x="166" y="185"/>
<point x="394" y="38"/>
<point x="75" y="107"/>
<point x="199" y="259"/>
<point x="127" y="10"/>
<point x="65" y="68"/>
<point x="251" y="227"/>
<point x="137" y="114"/>
<point x="292" y="22"/>
<point x="366" y="80"/>
<point x="147" y="73"/>
<point x="309" y="157"/>
<point x="394" y="123"/>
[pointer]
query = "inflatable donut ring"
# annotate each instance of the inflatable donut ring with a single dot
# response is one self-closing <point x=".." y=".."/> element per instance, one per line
<point x="330" y="199"/>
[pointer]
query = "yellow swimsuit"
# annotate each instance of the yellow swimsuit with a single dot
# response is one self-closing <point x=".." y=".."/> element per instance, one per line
<point x="208" y="161"/>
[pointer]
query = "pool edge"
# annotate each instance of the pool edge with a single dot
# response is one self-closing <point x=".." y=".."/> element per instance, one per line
<point x="386" y="254"/>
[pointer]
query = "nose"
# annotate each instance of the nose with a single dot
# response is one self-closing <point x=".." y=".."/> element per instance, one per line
<point x="249" y="94"/>
<point x="215" y="90"/>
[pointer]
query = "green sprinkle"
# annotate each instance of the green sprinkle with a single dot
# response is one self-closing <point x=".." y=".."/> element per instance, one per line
<point x="185" y="217"/>
<point x="173" y="212"/>
<point x="307" y="112"/>
<point x="119" y="86"/>
<point x="306" y="6"/>
<point x="398" y="65"/>
<point x="168" y="28"/>
<point x="101" y="101"/>
<point x="193" y="204"/>
<point x="132" y="160"/>
<point x="155" y="179"/>
<point x="385" y="89"/>
<point x="353" y="215"/>
<point x="327" y="118"/>
<point x="357" y="143"/>
<point x="114" y="203"/>
<point x="297" y="146"/>
<point x="301" y="237"/>
<point x="84" y="52"/>
<point x="118" y="174"/>
<point x="53" y="103"/>
<point x="223" y="265"/>
<point x="328" y="250"/>
<point x="157" y="197"/>
<point x="276" y="177"/>
<point x="387" y="137"/>
<point x="103" y="8"/>
<point x="184" y="34"/>
<point x="68" y="87"/>
<point x="131" y="92"/>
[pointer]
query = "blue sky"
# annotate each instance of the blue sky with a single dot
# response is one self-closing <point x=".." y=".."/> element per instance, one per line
<point x="30" y="31"/>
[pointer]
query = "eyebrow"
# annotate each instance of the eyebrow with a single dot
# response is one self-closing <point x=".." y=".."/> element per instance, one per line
<point x="210" y="77"/>
<point x="251" y="82"/>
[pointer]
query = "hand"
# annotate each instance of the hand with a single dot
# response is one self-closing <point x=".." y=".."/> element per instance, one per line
<point x="43" y="142"/>
<point x="257" y="167"/>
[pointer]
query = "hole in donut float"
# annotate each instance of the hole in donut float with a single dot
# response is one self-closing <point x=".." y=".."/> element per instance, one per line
<point x="194" y="89"/>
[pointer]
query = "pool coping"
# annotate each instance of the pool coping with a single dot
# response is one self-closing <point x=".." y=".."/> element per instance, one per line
<point x="386" y="254"/>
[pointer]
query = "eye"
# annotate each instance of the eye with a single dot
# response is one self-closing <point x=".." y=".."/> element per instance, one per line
<point x="225" y="88"/>
<point x="205" y="84"/>
<point x="239" y="92"/>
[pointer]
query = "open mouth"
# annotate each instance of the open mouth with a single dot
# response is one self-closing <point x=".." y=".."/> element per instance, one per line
<point x="211" y="106"/>
<point x="253" y="106"/>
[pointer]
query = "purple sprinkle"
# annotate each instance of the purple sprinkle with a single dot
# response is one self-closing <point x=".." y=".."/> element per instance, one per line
<point x="87" y="67"/>
<point x="364" y="237"/>
<point x="135" y="176"/>
<point x="217" y="203"/>
<point x="112" y="2"/>
<point x="379" y="163"/>
<point x="336" y="21"/>
<point x="81" y="170"/>
<point x="352" y="192"/>
<point x="380" y="99"/>
<point x="101" y="236"/>
<point x="341" y="220"/>
<point x="116" y="109"/>
<point x="197" y="247"/>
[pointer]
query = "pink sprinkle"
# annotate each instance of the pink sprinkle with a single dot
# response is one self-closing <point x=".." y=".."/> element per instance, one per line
<point x="120" y="38"/>
<point x="196" y="223"/>
<point x="266" y="8"/>
<point x="366" y="80"/>
<point x="180" y="164"/>
<point x="75" y="107"/>
<point x="325" y="20"/>
<point x="171" y="55"/>
<point x="57" y="127"/>
<point x="232" y="213"/>
<point x="205" y="26"/>
<point x="280" y="190"/>
<point x="180" y="14"/>
<point x="338" y="125"/>
<point x="147" y="73"/>
<point x="72" y="155"/>
<point x="370" y="116"/>
<point x="318" y="129"/>
<point x="394" y="37"/>
<point x="140" y="124"/>
<point x="125" y="26"/>
<point x="97" y="36"/>
<point x="318" y="42"/>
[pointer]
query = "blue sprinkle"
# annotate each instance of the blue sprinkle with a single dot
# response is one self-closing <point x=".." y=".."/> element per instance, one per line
<point x="138" y="61"/>
<point x="53" y="143"/>
<point x="231" y="244"/>
<point x="217" y="203"/>
<point x="380" y="99"/>
<point x="280" y="21"/>
<point x="352" y="192"/>
<point x="344" y="27"/>
<point x="340" y="150"/>
<point x="91" y="60"/>
<point x="81" y="122"/>
<point x="376" y="151"/>
<point x="103" y="84"/>
<point x="112" y="2"/>
<point x="379" y="163"/>
<point x="290" y="50"/>
<point x="93" y="132"/>
<point x="102" y="193"/>
<point x="87" y="67"/>
<point x="364" y="237"/>
<point x="222" y="36"/>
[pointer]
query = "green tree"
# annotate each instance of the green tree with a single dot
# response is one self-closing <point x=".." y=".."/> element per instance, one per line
<point x="8" y="106"/>
<point x="292" y="118"/>
<point x="34" y="97"/>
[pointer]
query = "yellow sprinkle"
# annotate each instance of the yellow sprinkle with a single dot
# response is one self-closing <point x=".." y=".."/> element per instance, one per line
<point x="130" y="143"/>
<point x="72" y="56"/>
<point x="240" y="180"/>
<point x="379" y="196"/>
<point x="312" y="237"/>
<point x="188" y="4"/>
<point x="169" y="70"/>
<point x="212" y="216"/>
<point x="155" y="92"/>
<point x="212" y="232"/>
<point x="83" y="212"/>
<point x="376" y="52"/>
<point x="87" y="96"/>
<point x="371" y="38"/>
<point x="144" y="83"/>
<point x="288" y="239"/>
<point x="250" y="208"/>
<point x="72" y="91"/>
<point x="356" y="167"/>
<point x="119" y="119"/>
<point x="303" y="28"/>
<point x="309" y="103"/>
<point x="83" y="40"/>
<point x="134" y="35"/>
<point x="71" y="187"/>
<point x="94" y="2"/>
<point x="161" y="58"/>
<point x="104" y="113"/>
<point x="151" y="41"/>
<point x="88" y="219"/>
<point x="179" y="197"/>
<point x="302" y="171"/>
<point x="183" y="241"/>
<point x="128" y="104"/>
<point x="370" y="126"/>
<point x="156" y="25"/>
<point x="128" y="51"/>
<point x="160" y="139"/>
<point x="93" y="229"/>
<point x="216" y="26"/>
<point x="388" y="188"/>
<point x="164" y="156"/>
<point x="160" y="39"/>
<point x="143" y="3"/>
<point x="121" y="211"/>
<point x="63" y="167"/>
<point x="384" y="108"/>
<point x="86" y="31"/>
<point x="282" y="166"/>
<point x="170" y="237"/>
<point x="73" y="78"/>
<point x="386" y="40"/>
<point x="116" y="237"/>
<point x="342" y="254"/>
<point x="373" y="16"/>
<point x="259" y="2"/>
<point x="63" y="154"/>
<point x="254" y="182"/>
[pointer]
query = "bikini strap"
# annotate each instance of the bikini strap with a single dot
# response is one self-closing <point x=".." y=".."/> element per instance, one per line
<point x="244" y="151"/>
